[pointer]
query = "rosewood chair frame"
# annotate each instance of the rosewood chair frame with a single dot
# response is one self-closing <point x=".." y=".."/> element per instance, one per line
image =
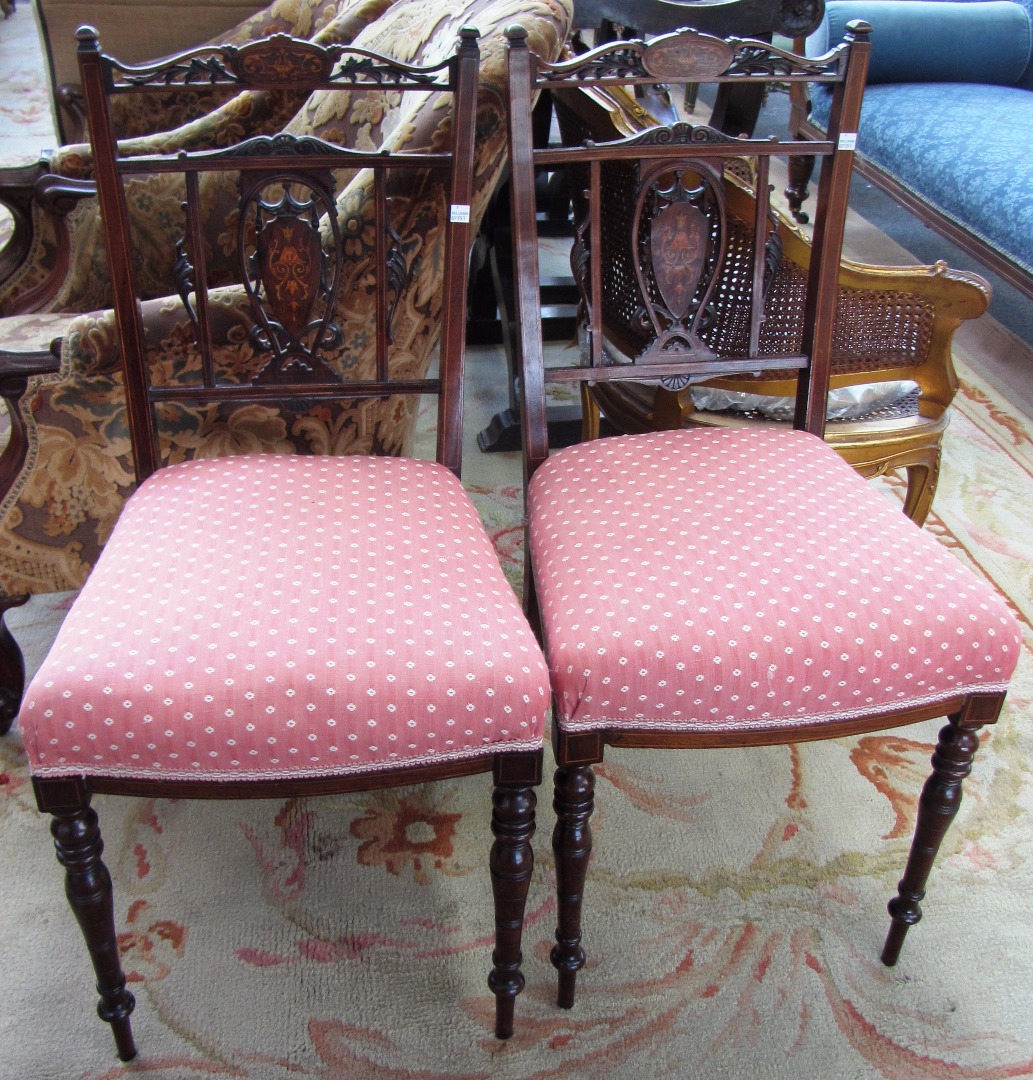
<point x="293" y="370"/>
<point x="692" y="57"/>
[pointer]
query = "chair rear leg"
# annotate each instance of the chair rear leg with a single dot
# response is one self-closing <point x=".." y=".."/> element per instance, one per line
<point x="939" y="803"/>
<point x="88" y="887"/>
<point x="572" y="843"/>
<point x="511" y="862"/>
<point x="12" y="667"/>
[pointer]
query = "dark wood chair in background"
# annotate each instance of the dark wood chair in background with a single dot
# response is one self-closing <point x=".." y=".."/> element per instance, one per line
<point x="730" y="587"/>
<point x="279" y="625"/>
<point x="735" y="108"/>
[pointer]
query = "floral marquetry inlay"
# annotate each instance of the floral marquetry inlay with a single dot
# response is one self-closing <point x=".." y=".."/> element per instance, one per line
<point x="678" y="242"/>
<point x="289" y="268"/>
<point x="291" y="279"/>
<point x="281" y="60"/>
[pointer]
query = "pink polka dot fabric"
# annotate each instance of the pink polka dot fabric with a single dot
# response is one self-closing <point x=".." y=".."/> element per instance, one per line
<point x="730" y="580"/>
<point x="268" y="616"/>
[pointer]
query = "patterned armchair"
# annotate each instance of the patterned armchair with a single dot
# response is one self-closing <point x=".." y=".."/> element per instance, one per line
<point x="68" y="466"/>
<point x="55" y="259"/>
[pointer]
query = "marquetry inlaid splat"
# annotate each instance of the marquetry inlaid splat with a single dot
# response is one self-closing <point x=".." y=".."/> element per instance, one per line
<point x="290" y="276"/>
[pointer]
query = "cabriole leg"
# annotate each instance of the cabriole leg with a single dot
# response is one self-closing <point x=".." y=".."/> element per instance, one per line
<point x="941" y="797"/>
<point x="511" y="862"/>
<point x="88" y="887"/>
<point x="572" y="844"/>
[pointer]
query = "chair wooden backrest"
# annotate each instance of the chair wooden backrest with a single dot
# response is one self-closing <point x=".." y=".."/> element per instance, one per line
<point x="291" y="252"/>
<point x="680" y="223"/>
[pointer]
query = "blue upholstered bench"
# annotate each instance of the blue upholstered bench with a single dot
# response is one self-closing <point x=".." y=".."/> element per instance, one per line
<point x="947" y="121"/>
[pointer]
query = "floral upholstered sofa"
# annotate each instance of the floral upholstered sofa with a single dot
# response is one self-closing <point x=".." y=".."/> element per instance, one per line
<point x="67" y="469"/>
<point x="947" y="119"/>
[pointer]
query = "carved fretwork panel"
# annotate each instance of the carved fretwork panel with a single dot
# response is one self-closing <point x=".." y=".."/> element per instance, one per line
<point x="674" y="277"/>
<point x="679" y="229"/>
<point x="695" y="57"/>
<point x="276" y="61"/>
<point x="291" y="277"/>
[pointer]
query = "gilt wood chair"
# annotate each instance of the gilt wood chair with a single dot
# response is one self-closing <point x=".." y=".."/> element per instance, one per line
<point x="277" y="625"/>
<point x="892" y="373"/>
<point x="892" y="376"/>
<point x="732" y="587"/>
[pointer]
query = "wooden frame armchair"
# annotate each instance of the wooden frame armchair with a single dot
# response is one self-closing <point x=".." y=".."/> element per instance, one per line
<point x="338" y="623"/>
<point x="728" y="587"/>
<point x="892" y="325"/>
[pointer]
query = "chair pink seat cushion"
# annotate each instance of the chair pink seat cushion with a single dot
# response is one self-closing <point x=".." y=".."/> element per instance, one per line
<point x="735" y="579"/>
<point x="265" y="616"/>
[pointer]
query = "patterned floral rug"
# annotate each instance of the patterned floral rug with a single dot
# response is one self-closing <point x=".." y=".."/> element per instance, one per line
<point x="734" y="914"/>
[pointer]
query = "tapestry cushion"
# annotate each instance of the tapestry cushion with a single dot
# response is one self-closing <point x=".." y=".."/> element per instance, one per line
<point x="934" y="40"/>
<point x="265" y="615"/>
<point x="736" y="579"/>
<point x="33" y="333"/>
<point x="962" y="147"/>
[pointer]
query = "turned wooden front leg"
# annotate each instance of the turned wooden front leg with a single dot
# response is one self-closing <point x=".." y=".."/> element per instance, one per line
<point x="939" y="803"/>
<point x="88" y="887"/>
<point x="572" y="844"/>
<point x="512" y="861"/>
<point x="800" y="168"/>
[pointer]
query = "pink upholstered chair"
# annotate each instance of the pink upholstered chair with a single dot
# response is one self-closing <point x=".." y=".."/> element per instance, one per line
<point x="724" y="587"/>
<point x="278" y="624"/>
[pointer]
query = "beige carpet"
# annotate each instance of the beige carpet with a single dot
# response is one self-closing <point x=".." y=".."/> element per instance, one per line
<point x="735" y="907"/>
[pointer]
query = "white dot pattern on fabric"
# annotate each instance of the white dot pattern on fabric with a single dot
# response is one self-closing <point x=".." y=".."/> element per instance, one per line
<point x="735" y="579"/>
<point x="264" y="615"/>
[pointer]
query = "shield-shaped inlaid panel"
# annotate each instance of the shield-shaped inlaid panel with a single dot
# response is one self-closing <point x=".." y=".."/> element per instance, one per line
<point x="289" y="263"/>
<point x="678" y="245"/>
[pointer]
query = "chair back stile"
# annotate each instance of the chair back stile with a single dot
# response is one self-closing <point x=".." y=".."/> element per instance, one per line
<point x="681" y="149"/>
<point x="829" y="229"/>
<point x="298" y="335"/>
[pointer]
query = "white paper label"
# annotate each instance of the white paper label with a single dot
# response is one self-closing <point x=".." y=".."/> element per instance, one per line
<point x="460" y="213"/>
<point x="848" y="140"/>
